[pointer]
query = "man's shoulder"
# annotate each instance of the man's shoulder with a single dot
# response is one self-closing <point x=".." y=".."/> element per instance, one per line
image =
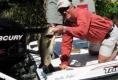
<point x="82" y="6"/>
<point x="81" y="10"/>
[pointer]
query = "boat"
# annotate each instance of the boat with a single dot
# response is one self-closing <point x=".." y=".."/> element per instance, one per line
<point x="89" y="69"/>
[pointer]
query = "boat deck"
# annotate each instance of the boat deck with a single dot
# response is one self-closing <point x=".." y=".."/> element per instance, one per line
<point x="83" y="57"/>
<point x="88" y="63"/>
<point x="79" y="52"/>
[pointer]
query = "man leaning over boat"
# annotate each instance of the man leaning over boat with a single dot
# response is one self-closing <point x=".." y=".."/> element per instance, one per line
<point x="87" y="25"/>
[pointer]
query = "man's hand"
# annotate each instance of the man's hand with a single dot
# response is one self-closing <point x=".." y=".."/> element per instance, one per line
<point x="63" y="66"/>
<point x="58" y="29"/>
<point x="49" y="30"/>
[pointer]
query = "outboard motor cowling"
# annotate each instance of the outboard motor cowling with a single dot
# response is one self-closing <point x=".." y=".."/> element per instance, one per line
<point x="12" y="44"/>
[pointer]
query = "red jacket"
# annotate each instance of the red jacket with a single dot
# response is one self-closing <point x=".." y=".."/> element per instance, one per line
<point x="89" y="26"/>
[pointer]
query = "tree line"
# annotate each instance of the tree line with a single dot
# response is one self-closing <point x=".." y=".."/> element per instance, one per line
<point x="30" y="13"/>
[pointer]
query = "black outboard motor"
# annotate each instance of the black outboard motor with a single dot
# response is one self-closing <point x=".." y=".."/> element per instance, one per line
<point x="12" y="44"/>
<point x="15" y="60"/>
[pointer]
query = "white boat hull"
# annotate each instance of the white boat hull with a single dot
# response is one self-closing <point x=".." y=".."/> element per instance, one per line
<point x="89" y="69"/>
<point x="86" y="72"/>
